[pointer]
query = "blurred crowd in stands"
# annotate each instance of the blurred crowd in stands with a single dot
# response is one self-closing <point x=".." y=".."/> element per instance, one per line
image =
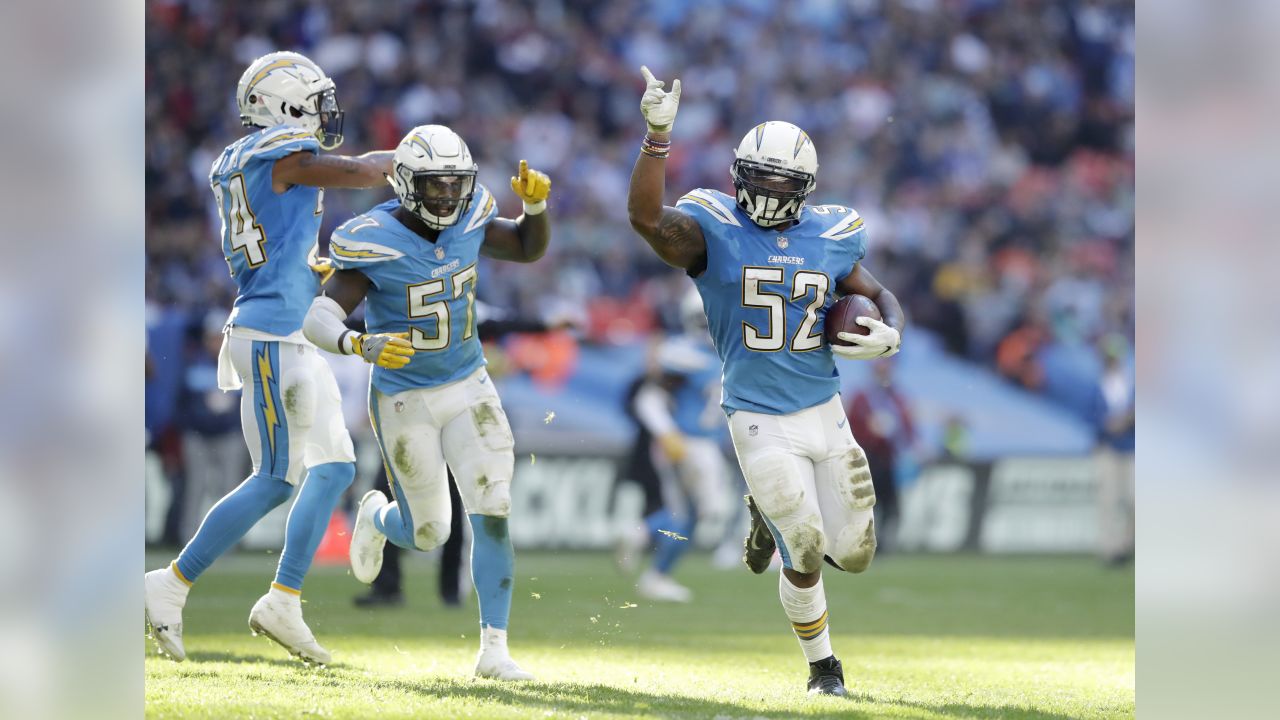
<point x="989" y="144"/>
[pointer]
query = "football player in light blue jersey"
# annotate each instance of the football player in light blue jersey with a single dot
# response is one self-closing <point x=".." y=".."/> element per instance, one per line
<point x="413" y="261"/>
<point x="768" y="266"/>
<point x="680" y="409"/>
<point x="269" y="187"/>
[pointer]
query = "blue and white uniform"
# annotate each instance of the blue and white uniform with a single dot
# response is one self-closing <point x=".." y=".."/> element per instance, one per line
<point x="692" y="409"/>
<point x="440" y="408"/>
<point x="292" y="419"/>
<point x="766" y="294"/>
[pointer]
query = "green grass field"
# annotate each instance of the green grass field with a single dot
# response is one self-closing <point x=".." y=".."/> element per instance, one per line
<point x="920" y="637"/>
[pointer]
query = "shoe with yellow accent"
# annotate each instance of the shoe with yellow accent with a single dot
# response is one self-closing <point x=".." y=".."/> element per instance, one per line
<point x="164" y="595"/>
<point x="278" y="615"/>
<point x="366" y="542"/>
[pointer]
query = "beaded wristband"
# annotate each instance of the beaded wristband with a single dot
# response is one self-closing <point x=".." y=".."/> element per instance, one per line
<point x="655" y="148"/>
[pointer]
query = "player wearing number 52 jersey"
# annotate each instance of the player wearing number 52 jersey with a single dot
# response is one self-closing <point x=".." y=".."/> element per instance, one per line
<point x="268" y="187"/>
<point x="413" y="261"/>
<point x="767" y="267"/>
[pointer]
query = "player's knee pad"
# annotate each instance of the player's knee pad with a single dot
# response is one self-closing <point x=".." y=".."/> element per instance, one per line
<point x="492" y="494"/>
<point x="430" y="534"/>
<point x="775" y="484"/>
<point x="491" y="426"/>
<point x="855" y="488"/>
<point x="804" y="544"/>
<point x="855" y="546"/>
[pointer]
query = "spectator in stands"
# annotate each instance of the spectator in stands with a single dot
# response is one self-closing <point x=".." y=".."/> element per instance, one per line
<point x="1116" y="404"/>
<point x="882" y="423"/>
<point x="213" y="450"/>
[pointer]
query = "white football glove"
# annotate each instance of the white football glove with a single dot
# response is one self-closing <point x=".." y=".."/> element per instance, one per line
<point x="882" y="342"/>
<point x="657" y="105"/>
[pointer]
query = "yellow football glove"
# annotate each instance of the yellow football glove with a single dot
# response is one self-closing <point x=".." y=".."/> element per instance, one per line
<point x="324" y="268"/>
<point x="532" y="186"/>
<point x="673" y="445"/>
<point x="386" y="350"/>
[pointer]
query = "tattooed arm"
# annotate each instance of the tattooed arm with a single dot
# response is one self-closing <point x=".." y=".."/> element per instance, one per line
<point x="672" y="234"/>
<point x="333" y="171"/>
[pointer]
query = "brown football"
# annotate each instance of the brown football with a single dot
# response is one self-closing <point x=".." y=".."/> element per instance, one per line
<point x="842" y="317"/>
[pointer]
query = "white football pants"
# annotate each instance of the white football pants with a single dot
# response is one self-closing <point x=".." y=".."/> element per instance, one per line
<point x="290" y="409"/>
<point x="810" y="479"/>
<point x="461" y="424"/>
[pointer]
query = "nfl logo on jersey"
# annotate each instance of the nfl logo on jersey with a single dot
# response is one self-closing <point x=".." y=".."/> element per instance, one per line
<point x="439" y="253"/>
<point x="783" y="242"/>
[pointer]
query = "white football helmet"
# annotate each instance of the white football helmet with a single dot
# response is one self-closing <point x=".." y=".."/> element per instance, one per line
<point x="775" y="170"/>
<point x="433" y="175"/>
<point x="285" y="88"/>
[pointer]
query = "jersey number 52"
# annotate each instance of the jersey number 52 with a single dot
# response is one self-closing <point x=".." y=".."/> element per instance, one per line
<point x="773" y="338"/>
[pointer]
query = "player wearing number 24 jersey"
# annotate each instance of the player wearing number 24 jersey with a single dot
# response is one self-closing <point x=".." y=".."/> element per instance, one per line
<point x="767" y="266"/>
<point x="268" y="187"/>
<point x="413" y="262"/>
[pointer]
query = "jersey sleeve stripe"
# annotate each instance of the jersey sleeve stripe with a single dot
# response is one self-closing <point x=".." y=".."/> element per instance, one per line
<point x="711" y="205"/>
<point x="283" y="138"/>
<point x="845" y="229"/>
<point x="346" y="250"/>
<point x="484" y="207"/>
<point x="278" y="142"/>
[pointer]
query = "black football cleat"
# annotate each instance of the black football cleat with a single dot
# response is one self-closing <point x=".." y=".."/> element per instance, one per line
<point x="759" y="544"/>
<point x="376" y="599"/>
<point x="826" y="677"/>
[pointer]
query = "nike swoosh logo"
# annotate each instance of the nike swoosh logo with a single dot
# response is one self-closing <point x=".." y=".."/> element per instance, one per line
<point x="840" y="424"/>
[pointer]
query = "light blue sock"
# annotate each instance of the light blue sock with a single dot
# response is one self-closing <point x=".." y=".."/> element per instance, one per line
<point x="658" y="520"/>
<point x="397" y="525"/>
<point x="229" y="520"/>
<point x="493" y="567"/>
<point x="669" y="550"/>
<point x="309" y="519"/>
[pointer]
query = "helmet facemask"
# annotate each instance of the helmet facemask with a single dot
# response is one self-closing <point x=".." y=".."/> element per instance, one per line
<point x="330" y="116"/>
<point x="769" y="194"/>
<point x="437" y="197"/>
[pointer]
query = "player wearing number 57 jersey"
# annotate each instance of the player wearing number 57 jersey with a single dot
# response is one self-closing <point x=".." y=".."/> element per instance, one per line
<point x="268" y="186"/>
<point x="767" y="267"/>
<point x="413" y="261"/>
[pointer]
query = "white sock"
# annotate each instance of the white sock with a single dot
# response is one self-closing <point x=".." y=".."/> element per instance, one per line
<point x="492" y="637"/>
<point x="176" y="584"/>
<point x="806" y="608"/>
<point x="292" y="597"/>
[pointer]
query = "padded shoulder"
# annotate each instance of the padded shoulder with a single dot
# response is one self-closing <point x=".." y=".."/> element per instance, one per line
<point x="278" y="142"/>
<point x="710" y="204"/>
<point x="482" y="210"/>
<point x="841" y="222"/>
<point x="348" y="252"/>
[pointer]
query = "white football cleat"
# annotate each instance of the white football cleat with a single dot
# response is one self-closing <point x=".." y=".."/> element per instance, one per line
<point x="653" y="585"/>
<point x="495" y="663"/>
<point x="366" y="541"/>
<point x="630" y="549"/>
<point x="278" y="615"/>
<point x="164" y="595"/>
